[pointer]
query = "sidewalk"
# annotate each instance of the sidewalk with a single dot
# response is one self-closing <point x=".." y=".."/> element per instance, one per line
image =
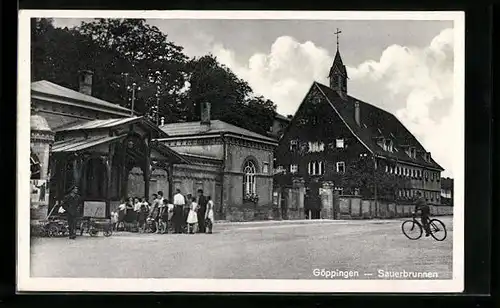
<point x="313" y="221"/>
<point x="302" y="222"/>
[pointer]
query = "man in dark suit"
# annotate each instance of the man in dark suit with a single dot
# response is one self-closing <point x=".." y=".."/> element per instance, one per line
<point x="71" y="204"/>
<point x="202" y="208"/>
<point x="421" y="205"/>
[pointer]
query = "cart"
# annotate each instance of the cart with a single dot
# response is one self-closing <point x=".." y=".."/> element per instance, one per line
<point x="55" y="226"/>
<point x="93" y="224"/>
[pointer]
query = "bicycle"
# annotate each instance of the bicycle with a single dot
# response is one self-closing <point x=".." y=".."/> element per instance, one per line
<point x="413" y="229"/>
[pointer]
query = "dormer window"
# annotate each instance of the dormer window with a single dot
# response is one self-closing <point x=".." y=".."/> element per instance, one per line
<point x="412" y="152"/>
<point x="427" y="156"/>
<point x="316" y="146"/>
<point x="388" y="145"/>
<point x="339" y="143"/>
<point x="294" y="145"/>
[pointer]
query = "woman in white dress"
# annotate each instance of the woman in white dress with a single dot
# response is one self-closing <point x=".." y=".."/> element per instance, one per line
<point x="192" y="219"/>
<point x="209" y="215"/>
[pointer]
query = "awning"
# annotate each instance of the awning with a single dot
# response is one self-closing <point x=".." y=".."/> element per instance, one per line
<point x="79" y="144"/>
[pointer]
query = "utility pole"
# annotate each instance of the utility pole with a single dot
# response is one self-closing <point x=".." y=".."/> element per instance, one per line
<point x="375" y="183"/>
<point x="157" y="108"/>
<point x="157" y="105"/>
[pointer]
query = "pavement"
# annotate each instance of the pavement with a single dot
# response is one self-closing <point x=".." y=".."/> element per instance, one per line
<point x="256" y="250"/>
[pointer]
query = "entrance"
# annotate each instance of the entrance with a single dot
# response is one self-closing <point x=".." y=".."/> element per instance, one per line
<point x="312" y="202"/>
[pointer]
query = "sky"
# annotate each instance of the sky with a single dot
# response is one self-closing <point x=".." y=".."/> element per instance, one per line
<point x="404" y="67"/>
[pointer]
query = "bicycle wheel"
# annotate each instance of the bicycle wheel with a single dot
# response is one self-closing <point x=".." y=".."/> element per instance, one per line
<point x="438" y="229"/>
<point x="412" y="229"/>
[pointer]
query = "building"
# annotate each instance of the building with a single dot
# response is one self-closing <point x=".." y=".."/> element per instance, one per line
<point x="280" y="123"/>
<point x="111" y="153"/>
<point x="241" y="160"/>
<point x="447" y="191"/>
<point x="333" y="133"/>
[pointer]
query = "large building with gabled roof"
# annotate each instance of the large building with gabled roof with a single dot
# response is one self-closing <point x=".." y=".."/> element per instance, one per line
<point x="332" y="130"/>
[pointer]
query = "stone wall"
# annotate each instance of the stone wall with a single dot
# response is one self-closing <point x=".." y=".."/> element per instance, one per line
<point x="353" y="207"/>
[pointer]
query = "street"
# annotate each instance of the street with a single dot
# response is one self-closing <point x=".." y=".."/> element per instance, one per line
<point x="259" y="250"/>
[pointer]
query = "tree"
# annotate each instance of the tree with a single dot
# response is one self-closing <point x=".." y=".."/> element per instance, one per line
<point x="232" y="99"/>
<point x="155" y="64"/>
<point x="121" y="52"/>
<point x="361" y="174"/>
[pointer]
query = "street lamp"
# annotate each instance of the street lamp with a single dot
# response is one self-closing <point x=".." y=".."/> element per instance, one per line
<point x="134" y="85"/>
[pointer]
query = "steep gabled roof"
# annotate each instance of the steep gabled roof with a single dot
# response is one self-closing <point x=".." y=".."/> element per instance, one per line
<point x="374" y="123"/>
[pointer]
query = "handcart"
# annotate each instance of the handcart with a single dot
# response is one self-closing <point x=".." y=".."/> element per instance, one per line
<point x="92" y="226"/>
<point x="55" y="226"/>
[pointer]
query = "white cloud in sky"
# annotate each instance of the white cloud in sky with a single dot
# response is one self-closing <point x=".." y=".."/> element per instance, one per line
<point x="416" y="84"/>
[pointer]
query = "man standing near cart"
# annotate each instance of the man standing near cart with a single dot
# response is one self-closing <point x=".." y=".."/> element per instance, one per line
<point x="71" y="204"/>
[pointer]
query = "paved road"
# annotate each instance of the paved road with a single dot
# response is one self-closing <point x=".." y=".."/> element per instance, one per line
<point x="289" y="250"/>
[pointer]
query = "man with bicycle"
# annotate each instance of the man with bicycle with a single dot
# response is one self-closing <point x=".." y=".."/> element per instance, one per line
<point x="421" y="205"/>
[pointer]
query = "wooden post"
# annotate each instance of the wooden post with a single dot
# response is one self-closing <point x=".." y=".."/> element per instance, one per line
<point x="170" y="177"/>
<point x="147" y="170"/>
<point x="108" y="161"/>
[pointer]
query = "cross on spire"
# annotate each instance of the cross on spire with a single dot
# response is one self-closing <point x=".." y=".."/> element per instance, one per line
<point x="337" y="33"/>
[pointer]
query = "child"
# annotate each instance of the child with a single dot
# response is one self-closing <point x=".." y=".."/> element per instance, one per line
<point x="121" y="216"/>
<point x="192" y="218"/>
<point x="114" y="220"/>
<point x="142" y="215"/>
<point x="209" y="215"/>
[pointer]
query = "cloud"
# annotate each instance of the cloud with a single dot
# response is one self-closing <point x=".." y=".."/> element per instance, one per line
<point x="416" y="84"/>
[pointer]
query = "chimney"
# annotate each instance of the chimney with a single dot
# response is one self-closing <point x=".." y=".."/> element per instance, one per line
<point x="357" y="115"/>
<point x="205" y="113"/>
<point x="85" y="82"/>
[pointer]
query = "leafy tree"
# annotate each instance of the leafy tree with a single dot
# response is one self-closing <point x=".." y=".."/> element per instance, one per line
<point x="155" y="64"/>
<point x="122" y="52"/>
<point x="361" y="174"/>
<point x="232" y="99"/>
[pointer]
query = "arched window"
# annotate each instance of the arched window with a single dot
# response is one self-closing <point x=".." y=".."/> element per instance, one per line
<point x="249" y="178"/>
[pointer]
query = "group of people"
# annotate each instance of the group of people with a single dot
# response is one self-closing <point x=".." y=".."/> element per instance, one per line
<point x="190" y="214"/>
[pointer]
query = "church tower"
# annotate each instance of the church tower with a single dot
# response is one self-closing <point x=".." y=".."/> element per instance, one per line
<point x="338" y="73"/>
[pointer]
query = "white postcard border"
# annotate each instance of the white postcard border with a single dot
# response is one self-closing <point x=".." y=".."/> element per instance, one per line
<point x="26" y="283"/>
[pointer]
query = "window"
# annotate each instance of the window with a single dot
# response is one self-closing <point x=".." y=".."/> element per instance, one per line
<point x="315" y="168"/>
<point x="386" y="168"/>
<point x="339" y="190"/>
<point x="388" y="145"/>
<point x="340" y="167"/>
<point x="339" y="143"/>
<point x="316" y="146"/>
<point x="249" y="178"/>
<point x="265" y="168"/>
<point x="293" y="145"/>
<point x="294" y="168"/>
<point x="280" y="169"/>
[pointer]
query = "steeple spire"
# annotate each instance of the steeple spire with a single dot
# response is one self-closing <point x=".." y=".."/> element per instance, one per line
<point x="338" y="73"/>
